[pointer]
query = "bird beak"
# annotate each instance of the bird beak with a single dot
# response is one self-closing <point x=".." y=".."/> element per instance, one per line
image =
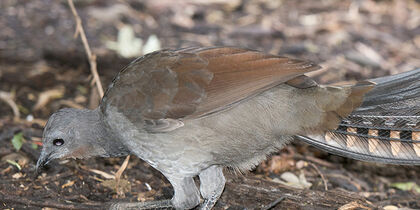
<point x="43" y="160"/>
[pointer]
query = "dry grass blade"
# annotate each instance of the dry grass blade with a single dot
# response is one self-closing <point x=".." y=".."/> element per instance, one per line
<point x="92" y="57"/>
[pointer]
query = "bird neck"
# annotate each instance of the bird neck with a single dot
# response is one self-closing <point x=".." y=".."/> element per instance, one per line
<point x="107" y="141"/>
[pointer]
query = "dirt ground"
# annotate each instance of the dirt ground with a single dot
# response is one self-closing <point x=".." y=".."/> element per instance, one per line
<point x="44" y="68"/>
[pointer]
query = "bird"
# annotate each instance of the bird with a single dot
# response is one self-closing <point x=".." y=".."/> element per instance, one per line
<point x="194" y="111"/>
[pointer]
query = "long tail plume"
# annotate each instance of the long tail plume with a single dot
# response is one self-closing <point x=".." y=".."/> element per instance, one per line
<point x="385" y="128"/>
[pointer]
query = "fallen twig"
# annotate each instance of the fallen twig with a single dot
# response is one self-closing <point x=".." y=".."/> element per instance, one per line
<point x="322" y="175"/>
<point x="92" y="57"/>
<point x="92" y="61"/>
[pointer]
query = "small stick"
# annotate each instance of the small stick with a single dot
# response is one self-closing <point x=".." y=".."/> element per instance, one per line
<point x="322" y="175"/>
<point x="92" y="61"/>
<point x="92" y="57"/>
<point x="119" y="173"/>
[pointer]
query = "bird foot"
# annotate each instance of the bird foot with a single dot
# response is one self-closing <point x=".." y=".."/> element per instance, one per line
<point x="207" y="204"/>
<point x="162" y="204"/>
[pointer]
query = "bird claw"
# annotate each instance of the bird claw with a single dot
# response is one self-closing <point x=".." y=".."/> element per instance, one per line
<point x="207" y="204"/>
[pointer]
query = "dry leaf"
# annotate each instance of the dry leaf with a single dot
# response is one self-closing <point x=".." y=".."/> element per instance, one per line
<point x="152" y="44"/>
<point x="17" y="175"/>
<point x="293" y="181"/>
<point x="127" y="45"/>
<point x="278" y="164"/>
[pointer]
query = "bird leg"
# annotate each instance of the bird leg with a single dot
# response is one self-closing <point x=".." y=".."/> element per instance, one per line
<point x="212" y="183"/>
<point x="186" y="196"/>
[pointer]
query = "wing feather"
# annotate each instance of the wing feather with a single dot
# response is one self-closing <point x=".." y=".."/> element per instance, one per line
<point x="195" y="82"/>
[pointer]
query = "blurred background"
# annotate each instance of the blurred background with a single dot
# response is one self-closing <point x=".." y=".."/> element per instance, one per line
<point x="43" y="67"/>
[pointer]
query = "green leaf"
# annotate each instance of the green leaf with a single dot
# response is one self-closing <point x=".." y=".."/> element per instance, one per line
<point x="17" y="141"/>
<point x="34" y="146"/>
<point x="406" y="186"/>
<point x="14" y="163"/>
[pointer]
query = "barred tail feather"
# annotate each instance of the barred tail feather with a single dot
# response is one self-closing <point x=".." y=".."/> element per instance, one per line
<point x="370" y="149"/>
<point x="386" y="126"/>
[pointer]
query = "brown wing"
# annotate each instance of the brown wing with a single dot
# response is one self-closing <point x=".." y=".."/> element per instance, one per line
<point x="195" y="82"/>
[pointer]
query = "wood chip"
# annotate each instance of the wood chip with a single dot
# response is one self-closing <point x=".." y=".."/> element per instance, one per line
<point x="17" y="175"/>
<point x="68" y="184"/>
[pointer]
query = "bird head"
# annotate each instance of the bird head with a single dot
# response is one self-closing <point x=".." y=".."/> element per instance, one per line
<point x="70" y="133"/>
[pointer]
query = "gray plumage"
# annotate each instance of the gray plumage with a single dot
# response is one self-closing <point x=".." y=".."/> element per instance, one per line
<point x="195" y="111"/>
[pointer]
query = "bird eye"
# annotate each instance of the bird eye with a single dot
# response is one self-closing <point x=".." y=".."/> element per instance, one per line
<point x="58" y="142"/>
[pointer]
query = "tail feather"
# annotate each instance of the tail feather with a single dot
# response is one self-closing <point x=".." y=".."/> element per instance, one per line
<point x="386" y="126"/>
<point x="395" y="92"/>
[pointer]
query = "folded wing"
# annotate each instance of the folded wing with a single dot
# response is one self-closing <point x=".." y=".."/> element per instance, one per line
<point x="195" y="82"/>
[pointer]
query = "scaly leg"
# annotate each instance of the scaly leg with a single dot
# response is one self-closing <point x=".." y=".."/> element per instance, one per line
<point x="186" y="194"/>
<point x="212" y="183"/>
